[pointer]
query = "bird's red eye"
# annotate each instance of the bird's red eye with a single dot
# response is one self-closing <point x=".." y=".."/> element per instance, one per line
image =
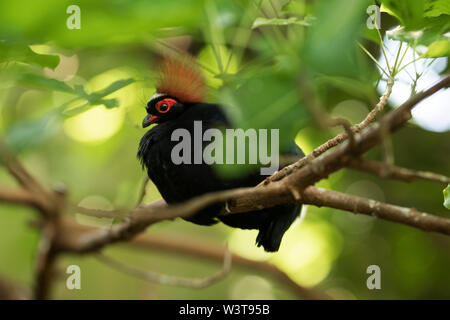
<point x="164" y="105"/>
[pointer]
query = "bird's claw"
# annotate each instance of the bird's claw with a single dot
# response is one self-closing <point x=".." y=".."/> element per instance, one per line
<point x="227" y="209"/>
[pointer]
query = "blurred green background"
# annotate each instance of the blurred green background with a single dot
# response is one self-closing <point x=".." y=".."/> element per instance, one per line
<point x="72" y="103"/>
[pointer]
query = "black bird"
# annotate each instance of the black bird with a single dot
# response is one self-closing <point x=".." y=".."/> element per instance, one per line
<point x="177" y="104"/>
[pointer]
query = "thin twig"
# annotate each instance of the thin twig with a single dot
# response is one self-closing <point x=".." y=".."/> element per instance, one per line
<point x="167" y="279"/>
<point x="390" y="171"/>
<point x="143" y="190"/>
<point x="320" y="116"/>
<point x="209" y="251"/>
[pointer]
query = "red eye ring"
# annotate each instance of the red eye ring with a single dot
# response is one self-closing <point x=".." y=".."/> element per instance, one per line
<point x="164" y="105"/>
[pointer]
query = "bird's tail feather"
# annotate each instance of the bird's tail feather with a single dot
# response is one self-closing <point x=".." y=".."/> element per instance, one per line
<point x="271" y="233"/>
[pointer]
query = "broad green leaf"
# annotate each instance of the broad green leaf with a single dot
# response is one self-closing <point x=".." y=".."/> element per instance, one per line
<point x="295" y="7"/>
<point x="267" y="101"/>
<point x="371" y="34"/>
<point x="409" y="12"/>
<point x="261" y="22"/>
<point x="435" y="8"/>
<point x="102" y="21"/>
<point x="383" y="8"/>
<point x="23" y="53"/>
<point x="447" y="197"/>
<point x="331" y="41"/>
<point x="438" y="49"/>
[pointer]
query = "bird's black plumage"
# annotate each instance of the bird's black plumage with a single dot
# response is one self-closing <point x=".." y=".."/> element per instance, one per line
<point x="178" y="183"/>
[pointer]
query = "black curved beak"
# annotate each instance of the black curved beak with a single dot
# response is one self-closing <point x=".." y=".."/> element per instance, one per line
<point x="149" y="119"/>
<point x="146" y="122"/>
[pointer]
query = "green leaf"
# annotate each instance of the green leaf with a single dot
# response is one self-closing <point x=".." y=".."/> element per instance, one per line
<point x="352" y="86"/>
<point x="261" y="22"/>
<point x="29" y="133"/>
<point x="267" y="101"/>
<point x="409" y="12"/>
<point x="23" y="53"/>
<point x="76" y="110"/>
<point x="96" y="98"/>
<point x="295" y="7"/>
<point x="371" y="34"/>
<point x="45" y="83"/>
<point x="102" y="22"/>
<point x="435" y="30"/>
<point x="119" y="84"/>
<point x="331" y="41"/>
<point x="436" y="8"/>
<point x="108" y="103"/>
<point x="438" y="49"/>
<point x="447" y="197"/>
<point x="93" y="99"/>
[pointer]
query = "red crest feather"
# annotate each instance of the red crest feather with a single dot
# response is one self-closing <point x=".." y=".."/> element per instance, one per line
<point x="182" y="80"/>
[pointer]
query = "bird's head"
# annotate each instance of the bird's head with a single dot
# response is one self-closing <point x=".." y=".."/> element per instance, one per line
<point x="179" y="85"/>
<point x="161" y="108"/>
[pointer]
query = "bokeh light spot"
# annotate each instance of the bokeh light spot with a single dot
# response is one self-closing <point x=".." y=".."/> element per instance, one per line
<point x="99" y="123"/>
<point x="95" y="125"/>
<point x="308" y="251"/>
<point x="242" y="242"/>
<point x="252" y="288"/>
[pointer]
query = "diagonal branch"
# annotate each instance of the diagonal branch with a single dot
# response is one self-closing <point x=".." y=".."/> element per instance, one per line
<point x="337" y="139"/>
<point x="18" y="171"/>
<point x="22" y="197"/>
<point x="385" y="170"/>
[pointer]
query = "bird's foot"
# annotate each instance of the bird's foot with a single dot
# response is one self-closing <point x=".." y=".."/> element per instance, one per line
<point x="227" y="209"/>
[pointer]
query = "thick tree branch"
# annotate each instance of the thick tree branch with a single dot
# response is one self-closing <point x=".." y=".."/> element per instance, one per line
<point x="21" y="197"/>
<point x="408" y="216"/>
